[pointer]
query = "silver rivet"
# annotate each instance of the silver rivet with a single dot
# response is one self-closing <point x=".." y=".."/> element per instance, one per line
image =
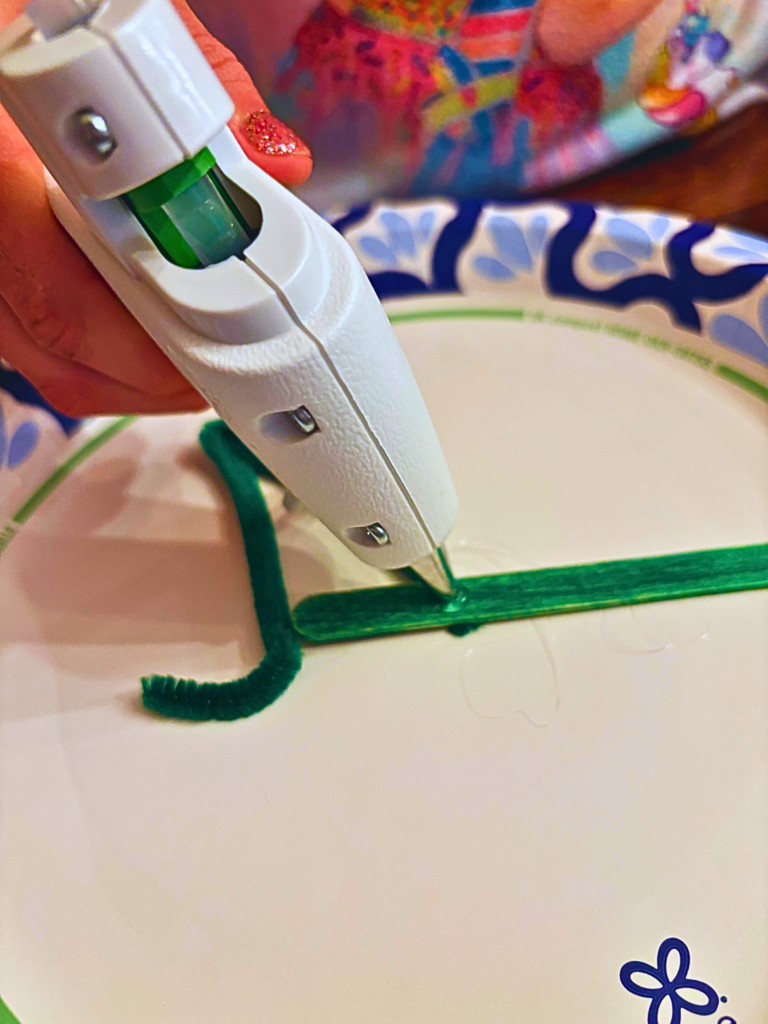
<point x="303" y="419"/>
<point x="94" y="133"/>
<point x="377" y="534"/>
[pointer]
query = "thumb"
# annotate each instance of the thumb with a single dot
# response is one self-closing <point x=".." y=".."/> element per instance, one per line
<point x="266" y="140"/>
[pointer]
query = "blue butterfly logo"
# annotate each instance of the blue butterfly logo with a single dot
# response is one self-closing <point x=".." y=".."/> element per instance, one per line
<point x="659" y="985"/>
<point x="17" y="447"/>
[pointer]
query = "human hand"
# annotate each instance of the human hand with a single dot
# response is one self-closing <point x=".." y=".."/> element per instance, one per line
<point x="572" y="32"/>
<point x="60" y="324"/>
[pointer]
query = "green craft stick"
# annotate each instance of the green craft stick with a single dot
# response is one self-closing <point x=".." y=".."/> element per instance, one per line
<point x="6" y="1017"/>
<point x="380" y="611"/>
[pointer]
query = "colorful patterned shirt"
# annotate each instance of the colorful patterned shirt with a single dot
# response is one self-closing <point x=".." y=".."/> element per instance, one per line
<point x="414" y="97"/>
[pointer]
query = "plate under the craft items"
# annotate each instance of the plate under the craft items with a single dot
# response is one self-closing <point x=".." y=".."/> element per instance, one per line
<point x="424" y="829"/>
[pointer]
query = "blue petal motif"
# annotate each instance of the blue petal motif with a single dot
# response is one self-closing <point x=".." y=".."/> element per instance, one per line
<point x="750" y="243"/>
<point x="536" y="234"/>
<point x="400" y="233"/>
<point x="743" y="255"/>
<point x="510" y="242"/>
<point x="378" y="250"/>
<point x="738" y="335"/>
<point x="629" y="238"/>
<point x="3" y="437"/>
<point x="426" y="223"/>
<point x="23" y="443"/>
<point x="762" y="312"/>
<point x="489" y="267"/>
<point x="607" y="262"/>
<point x="658" y="226"/>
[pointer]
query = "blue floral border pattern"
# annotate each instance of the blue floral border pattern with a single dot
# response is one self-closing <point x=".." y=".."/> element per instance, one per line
<point x="677" y="291"/>
<point x="711" y="281"/>
<point x="33" y="437"/>
<point x="20" y="389"/>
<point x="710" y="285"/>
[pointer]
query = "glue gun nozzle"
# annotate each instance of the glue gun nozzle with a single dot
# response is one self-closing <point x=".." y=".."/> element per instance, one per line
<point x="435" y="570"/>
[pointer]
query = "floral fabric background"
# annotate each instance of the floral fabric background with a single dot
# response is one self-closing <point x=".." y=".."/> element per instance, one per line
<point x="458" y="97"/>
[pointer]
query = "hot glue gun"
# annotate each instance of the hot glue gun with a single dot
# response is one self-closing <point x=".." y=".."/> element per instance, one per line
<point x="258" y="301"/>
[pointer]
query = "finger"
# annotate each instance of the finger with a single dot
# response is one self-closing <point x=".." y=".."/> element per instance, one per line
<point x="265" y="139"/>
<point x="573" y="33"/>
<point x="79" y="390"/>
<point x="60" y="299"/>
<point x="10" y="9"/>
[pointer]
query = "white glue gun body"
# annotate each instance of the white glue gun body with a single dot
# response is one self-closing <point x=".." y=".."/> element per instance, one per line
<point x="257" y="300"/>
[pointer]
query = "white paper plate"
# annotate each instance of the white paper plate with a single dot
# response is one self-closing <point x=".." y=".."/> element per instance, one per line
<point x="423" y="829"/>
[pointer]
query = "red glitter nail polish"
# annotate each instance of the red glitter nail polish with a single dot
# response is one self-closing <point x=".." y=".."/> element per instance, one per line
<point x="270" y="136"/>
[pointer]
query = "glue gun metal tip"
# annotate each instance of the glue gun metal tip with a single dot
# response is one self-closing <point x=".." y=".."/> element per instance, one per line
<point x="435" y="570"/>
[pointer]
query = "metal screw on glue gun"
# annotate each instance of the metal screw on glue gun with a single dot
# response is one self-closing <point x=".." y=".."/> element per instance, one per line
<point x="378" y="534"/>
<point x="304" y="419"/>
<point x="372" y="536"/>
<point x="94" y="133"/>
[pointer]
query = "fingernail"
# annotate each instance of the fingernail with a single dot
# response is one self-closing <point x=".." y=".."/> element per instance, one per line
<point x="270" y="136"/>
